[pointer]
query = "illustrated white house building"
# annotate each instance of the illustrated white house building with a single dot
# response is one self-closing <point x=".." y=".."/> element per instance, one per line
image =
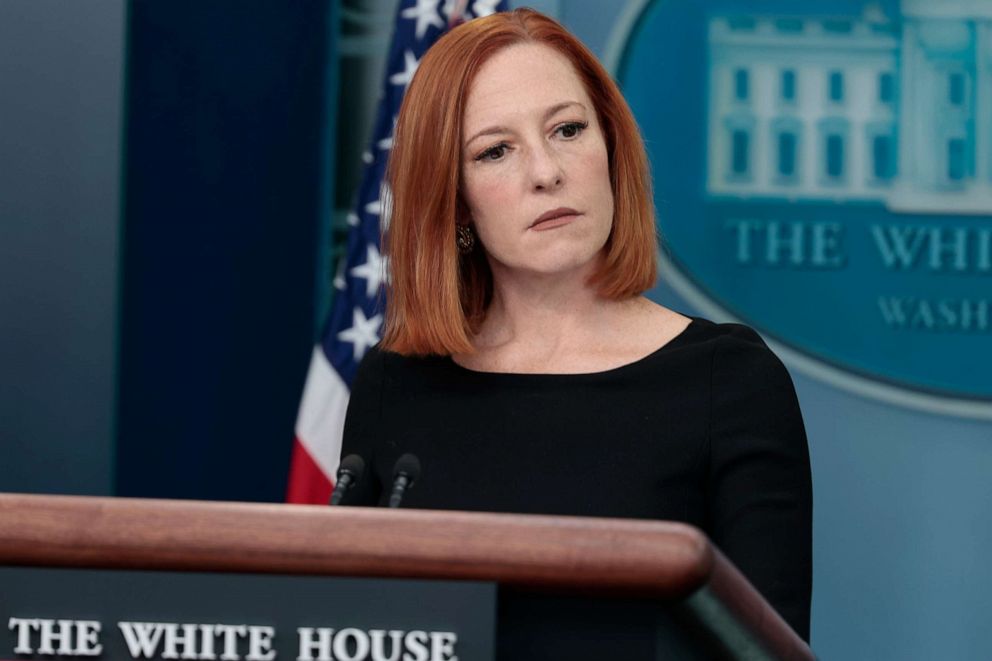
<point x="844" y="109"/>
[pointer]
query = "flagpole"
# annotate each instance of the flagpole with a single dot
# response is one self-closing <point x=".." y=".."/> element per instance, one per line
<point x="457" y="12"/>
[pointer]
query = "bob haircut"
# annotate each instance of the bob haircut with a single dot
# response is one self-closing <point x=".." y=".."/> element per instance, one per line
<point x="437" y="298"/>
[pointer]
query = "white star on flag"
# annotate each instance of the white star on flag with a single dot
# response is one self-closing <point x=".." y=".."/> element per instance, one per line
<point x="363" y="333"/>
<point x="339" y="282"/>
<point x="374" y="207"/>
<point x="410" y="64"/>
<point x="387" y="142"/>
<point x="426" y="14"/>
<point x="353" y="219"/>
<point x="373" y="271"/>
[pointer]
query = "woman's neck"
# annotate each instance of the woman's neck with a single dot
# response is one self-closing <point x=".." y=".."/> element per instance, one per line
<point x="560" y="324"/>
<point x="539" y="317"/>
<point x="547" y="314"/>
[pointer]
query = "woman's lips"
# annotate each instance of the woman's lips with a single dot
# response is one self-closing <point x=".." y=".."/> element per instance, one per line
<point x="552" y="223"/>
<point x="554" y="218"/>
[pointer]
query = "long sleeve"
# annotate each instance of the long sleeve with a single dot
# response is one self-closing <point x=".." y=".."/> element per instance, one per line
<point x="363" y="424"/>
<point x="760" y="492"/>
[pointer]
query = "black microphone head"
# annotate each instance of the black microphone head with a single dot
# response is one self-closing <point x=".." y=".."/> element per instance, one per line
<point x="409" y="466"/>
<point x="353" y="465"/>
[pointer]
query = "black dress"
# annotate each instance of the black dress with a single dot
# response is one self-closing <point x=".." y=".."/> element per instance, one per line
<point x="705" y="430"/>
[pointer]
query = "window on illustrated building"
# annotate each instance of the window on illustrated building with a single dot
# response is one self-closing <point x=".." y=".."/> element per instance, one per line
<point x="883" y="165"/>
<point x="791" y="25"/>
<point x="740" y="143"/>
<point x="786" y="132"/>
<point x="838" y="26"/>
<point x="787" y="154"/>
<point x="741" y="23"/>
<point x="956" y="160"/>
<point x="836" y="86"/>
<point x="788" y="85"/>
<point x="741" y="84"/>
<point x="955" y="88"/>
<point x="835" y="156"/>
<point x="886" y="87"/>
<point x="834" y="133"/>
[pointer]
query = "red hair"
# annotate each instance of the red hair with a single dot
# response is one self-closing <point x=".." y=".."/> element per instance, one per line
<point x="436" y="297"/>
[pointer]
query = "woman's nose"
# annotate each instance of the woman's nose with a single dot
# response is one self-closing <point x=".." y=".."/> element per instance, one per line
<point x="546" y="169"/>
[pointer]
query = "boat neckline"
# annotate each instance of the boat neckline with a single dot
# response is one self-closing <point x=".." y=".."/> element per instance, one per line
<point x="671" y="343"/>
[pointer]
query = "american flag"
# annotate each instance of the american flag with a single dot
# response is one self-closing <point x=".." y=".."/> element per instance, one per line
<point x="356" y="316"/>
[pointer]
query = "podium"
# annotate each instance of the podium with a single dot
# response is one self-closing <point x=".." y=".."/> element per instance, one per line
<point x="703" y="607"/>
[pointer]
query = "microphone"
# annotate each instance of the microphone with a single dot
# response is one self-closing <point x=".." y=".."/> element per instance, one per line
<point x="351" y="471"/>
<point x="405" y="473"/>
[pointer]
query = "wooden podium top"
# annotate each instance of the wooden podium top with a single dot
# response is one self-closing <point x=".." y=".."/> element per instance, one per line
<point x="661" y="560"/>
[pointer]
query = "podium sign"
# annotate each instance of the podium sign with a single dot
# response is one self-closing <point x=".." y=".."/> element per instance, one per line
<point x="102" y="614"/>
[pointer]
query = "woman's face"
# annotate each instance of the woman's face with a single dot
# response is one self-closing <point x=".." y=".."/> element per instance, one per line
<point x="535" y="170"/>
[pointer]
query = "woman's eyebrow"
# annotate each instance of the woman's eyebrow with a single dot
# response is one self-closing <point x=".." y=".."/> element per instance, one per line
<point x="548" y="114"/>
<point x="558" y="107"/>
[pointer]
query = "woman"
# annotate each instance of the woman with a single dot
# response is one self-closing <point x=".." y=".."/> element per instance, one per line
<point x="520" y="362"/>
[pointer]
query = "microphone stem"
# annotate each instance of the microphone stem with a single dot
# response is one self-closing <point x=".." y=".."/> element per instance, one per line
<point x="399" y="488"/>
<point x="340" y="488"/>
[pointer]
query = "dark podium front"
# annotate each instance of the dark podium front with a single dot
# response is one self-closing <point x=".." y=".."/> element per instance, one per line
<point x="127" y="578"/>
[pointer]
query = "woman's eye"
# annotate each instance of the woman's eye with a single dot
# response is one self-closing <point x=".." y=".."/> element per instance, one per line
<point x="572" y="129"/>
<point x="494" y="153"/>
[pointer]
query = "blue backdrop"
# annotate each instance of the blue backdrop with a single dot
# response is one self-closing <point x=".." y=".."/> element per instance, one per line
<point x="226" y="197"/>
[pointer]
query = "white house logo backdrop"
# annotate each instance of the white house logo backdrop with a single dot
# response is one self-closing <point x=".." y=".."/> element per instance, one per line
<point x="823" y="172"/>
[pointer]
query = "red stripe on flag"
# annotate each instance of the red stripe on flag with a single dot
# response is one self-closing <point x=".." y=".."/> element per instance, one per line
<point x="307" y="483"/>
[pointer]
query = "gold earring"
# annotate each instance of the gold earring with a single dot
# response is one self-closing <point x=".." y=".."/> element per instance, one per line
<point x="464" y="239"/>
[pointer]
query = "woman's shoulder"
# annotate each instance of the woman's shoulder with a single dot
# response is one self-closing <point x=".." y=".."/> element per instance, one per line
<point x="745" y="374"/>
<point x="694" y="332"/>
<point x="380" y="363"/>
<point x="702" y="329"/>
<point x="727" y="340"/>
<point x="738" y="358"/>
